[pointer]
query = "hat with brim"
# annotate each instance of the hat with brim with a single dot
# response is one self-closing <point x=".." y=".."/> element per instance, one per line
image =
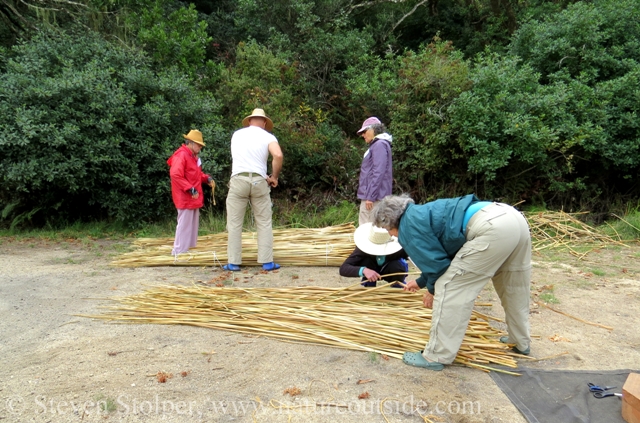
<point x="195" y="136"/>
<point x="258" y="113"/>
<point x="367" y="124"/>
<point x="375" y="241"/>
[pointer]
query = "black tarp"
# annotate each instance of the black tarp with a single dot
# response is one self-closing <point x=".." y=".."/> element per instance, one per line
<point x="562" y="396"/>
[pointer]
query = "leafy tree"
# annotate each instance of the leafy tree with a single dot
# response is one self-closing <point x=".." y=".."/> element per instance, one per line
<point x="171" y="37"/>
<point x="593" y="49"/>
<point x="314" y="150"/>
<point x="86" y="128"/>
<point x="371" y="82"/>
<point x="590" y="41"/>
<point x="412" y="94"/>
<point x="520" y="138"/>
<point x="429" y="82"/>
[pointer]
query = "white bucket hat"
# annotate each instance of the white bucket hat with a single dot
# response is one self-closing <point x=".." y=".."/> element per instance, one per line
<point x="375" y="241"/>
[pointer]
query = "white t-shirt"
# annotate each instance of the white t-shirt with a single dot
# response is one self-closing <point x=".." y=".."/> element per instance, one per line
<point x="250" y="150"/>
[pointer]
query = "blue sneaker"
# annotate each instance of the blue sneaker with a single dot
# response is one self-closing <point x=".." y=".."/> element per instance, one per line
<point x="270" y="266"/>
<point x="231" y="267"/>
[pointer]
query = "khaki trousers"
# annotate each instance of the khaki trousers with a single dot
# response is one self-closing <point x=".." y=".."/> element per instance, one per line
<point x="365" y="216"/>
<point x="256" y="191"/>
<point x="498" y="247"/>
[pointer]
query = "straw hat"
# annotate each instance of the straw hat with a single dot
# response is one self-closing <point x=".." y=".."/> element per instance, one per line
<point x="375" y="241"/>
<point x="195" y="136"/>
<point x="258" y="113"/>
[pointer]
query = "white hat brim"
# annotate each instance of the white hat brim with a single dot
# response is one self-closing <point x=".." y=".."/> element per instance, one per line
<point x="361" y="238"/>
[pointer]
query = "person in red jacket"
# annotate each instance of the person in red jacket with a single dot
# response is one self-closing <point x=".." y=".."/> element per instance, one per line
<point x="186" y="190"/>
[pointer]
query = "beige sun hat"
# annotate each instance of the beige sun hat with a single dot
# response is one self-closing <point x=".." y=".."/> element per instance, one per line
<point x="195" y="136"/>
<point x="375" y="241"/>
<point x="258" y="113"/>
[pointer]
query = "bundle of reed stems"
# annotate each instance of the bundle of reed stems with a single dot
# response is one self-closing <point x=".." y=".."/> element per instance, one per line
<point x="382" y="320"/>
<point x="331" y="245"/>
<point x="565" y="230"/>
<point x="328" y="246"/>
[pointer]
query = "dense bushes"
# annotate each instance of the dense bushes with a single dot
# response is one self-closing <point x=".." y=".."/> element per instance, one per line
<point x="315" y="152"/>
<point x="528" y="125"/>
<point x="549" y="116"/>
<point x="87" y="128"/>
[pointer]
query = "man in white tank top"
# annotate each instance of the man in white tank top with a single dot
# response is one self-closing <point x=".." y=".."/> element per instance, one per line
<point x="250" y="149"/>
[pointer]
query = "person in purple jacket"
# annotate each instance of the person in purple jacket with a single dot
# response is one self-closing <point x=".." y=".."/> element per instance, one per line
<point x="376" y="173"/>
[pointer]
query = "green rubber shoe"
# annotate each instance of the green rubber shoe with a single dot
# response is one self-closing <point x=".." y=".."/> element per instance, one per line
<point x="417" y="360"/>
<point x="505" y="340"/>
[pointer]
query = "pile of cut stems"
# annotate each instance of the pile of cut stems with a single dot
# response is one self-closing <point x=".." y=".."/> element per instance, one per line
<point x="382" y="320"/>
<point x="328" y="246"/>
<point x="331" y="245"/>
<point x="564" y="230"/>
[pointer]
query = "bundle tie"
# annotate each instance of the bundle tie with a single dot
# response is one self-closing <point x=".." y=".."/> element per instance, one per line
<point x="176" y="260"/>
<point x="327" y="249"/>
<point x="215" y="259"/>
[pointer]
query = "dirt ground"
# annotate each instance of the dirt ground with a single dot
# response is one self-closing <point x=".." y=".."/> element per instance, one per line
<point x="57" y="367"/>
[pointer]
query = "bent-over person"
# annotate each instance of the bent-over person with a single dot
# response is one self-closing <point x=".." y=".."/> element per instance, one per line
<point x="459" y="244"/>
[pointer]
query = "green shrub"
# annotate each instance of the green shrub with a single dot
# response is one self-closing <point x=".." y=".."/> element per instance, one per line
<point x="87" y="127"/>
<point x="316" y="156"/>
<point x="171" y="37"/>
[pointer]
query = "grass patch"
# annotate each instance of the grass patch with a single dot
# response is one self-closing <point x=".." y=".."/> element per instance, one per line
<point x="626" y="226"/>
<point x="546" y="295"/>
<point x="312" y="216"/>
<point x="549" y="297"/>
<point x="106" y="404"/>
<point x="86" y="232"/>
<point x="598" y="272"/>
<point x="374" y="357"/>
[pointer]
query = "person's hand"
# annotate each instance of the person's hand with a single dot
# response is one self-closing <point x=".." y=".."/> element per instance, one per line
<point x="411" y="286"/>
<point x="368" y="205"/>
<point x="195" y="196"/>
<point x="427" y="299"/>
<point x="371" y="275"/>
<point x="273" y="182"/>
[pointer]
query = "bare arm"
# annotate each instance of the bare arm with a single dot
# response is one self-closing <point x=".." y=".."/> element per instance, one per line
<point x="276" y="163"/>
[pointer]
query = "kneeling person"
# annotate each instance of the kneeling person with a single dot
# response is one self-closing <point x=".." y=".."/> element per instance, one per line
<point x="376" y="254"/>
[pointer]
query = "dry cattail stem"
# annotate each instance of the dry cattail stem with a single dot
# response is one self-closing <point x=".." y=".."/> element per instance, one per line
<point x="383" y="320"/>
<point x="328" y="246"/>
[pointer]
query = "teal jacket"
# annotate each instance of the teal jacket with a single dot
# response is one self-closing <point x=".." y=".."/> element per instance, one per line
<point x="431" y="235"/>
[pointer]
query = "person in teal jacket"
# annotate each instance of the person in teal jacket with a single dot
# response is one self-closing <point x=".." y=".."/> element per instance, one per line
<point x="459" y="244"/>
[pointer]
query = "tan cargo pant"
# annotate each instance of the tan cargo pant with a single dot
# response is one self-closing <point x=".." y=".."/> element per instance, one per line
<point x="365" y="216"/>
<point x="255" y="190"/>
<point x="498" y="247"/>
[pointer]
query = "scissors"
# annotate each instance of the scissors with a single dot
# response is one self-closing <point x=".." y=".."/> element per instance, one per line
<point x="604" y="394"/>
<point x="595" y="388"/>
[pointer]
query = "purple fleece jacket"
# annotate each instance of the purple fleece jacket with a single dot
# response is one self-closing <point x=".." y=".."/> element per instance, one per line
<point x="376" y="172"/>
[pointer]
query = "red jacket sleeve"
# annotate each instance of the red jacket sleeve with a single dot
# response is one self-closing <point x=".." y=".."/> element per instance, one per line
<point x="204" y="178"/>
<point x="177" y="173"/>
